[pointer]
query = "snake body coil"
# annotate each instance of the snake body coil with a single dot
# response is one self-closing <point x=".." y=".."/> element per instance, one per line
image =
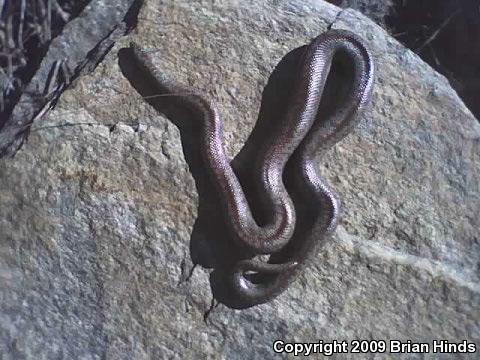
<point x="301" y="139"/>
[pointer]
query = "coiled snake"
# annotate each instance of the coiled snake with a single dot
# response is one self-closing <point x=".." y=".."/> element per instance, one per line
<point x="301" y="140"/>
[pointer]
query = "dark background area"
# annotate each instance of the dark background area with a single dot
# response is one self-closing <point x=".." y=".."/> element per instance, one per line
<point x="444" y="33"/>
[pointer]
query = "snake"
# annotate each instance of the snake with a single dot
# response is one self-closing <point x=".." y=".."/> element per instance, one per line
<point x="301" y="139"/>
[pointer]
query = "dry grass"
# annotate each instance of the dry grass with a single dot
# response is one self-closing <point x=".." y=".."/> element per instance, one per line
<point x="26" y="29"/>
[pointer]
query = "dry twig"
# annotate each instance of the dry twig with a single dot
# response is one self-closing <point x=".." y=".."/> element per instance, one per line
<point x="436" y="32"/>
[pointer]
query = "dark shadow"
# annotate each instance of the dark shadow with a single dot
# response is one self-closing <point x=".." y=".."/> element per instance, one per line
<point x="445" y="34"/>
<point x="211" y="244"/>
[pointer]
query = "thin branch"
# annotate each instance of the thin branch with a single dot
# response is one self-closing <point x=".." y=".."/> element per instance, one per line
<point x="434" y="55"/>
<point x="21" y="24"/>
<point x="169" y="94"/>
<point x="436" y="32"/>
<point x="49" y="20"/>
<point x="63" y="14"/>
<point x="9" y="41"/>
<point x="109" y="125"/>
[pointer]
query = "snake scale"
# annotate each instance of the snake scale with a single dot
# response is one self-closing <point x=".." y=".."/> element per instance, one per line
<point x="302" y="139"/>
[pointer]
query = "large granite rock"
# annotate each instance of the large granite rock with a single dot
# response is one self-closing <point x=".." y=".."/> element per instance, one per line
<point x="97" y="210"/>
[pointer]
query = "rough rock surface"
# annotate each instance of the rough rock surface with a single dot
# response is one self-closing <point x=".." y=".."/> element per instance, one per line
<point x="377" y="10"/>
<point x="97" y="209"/>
